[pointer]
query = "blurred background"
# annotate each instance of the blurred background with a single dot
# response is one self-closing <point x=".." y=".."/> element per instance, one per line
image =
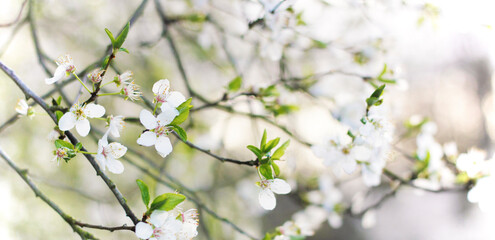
<point x="441" y="52"/>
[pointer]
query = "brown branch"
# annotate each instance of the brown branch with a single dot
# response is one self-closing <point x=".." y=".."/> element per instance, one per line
<point x="17" y="18"/>
<point x="30" y="94"/>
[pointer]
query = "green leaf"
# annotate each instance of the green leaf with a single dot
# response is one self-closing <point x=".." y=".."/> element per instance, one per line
<point x="263" y="140"/>
<point x="110" y="35"/>
<point x="78" y="146"/>
<point x="123" y="50"/>
<point x="384" y="70"/>
<point x="276" y="169"/>
<point x="61" y="143"/>
<point x="256" y="151"/>
<point x="145" y="193"/>
<point x="270" y="145"/>
<point x="266" y="171"/>
<point x="166" y="202"/>
<point x="183" y="112"/>
<point x="280" y="151"/>
<point x="59" y="100"/>
<point x="59" y="114"/>
<point x="235" y="84"/>
<point x="122" y="36"/>
<point x="181" y="132"/>
<point x="378" y="92"/>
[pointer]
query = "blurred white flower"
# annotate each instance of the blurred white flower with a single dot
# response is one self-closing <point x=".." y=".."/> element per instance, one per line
<point x="157" y="133"/>
<point x="483" y="194"/>
<point x="472" y="162"/>
<point x="335" y="153"/>
<point x="108" y="154"/>
<point x="24" y="109"/>
<point x="163" y="226"/>
<point x="78" y="116"/>
<point x="65" y="68"/>
<point x="116" y="125"/>
<point x="450" y="149"/>
<point x="369" y="219"/>
<point x="268" y="187"/>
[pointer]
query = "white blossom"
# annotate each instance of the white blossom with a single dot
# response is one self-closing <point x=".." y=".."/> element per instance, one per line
<point x="170" y="100"/>
<point x="157" y="133"/>
<point x="95" y="75"/>
<point x="78" y="116"/>
<point x="131" y="91"/>
<point x="24" y="109"/>
<point x="483" y="194"/>
<point x="169" y="225"/>
<point x="472" y="162"/>
<point x="108" y="154"/>
<point x="116" y="125"/>
<point x="65" y="68"/>
<point x="123" y="79"/>
<point x="268" y="187"/>
<point x="335" y="153"/>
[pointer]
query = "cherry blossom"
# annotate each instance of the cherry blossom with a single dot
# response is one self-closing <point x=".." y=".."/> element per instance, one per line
<point x="116" y="125"/>
<point x="108" y="153"/>
<point x="268" y="187"/>
<point x="157" y="131"/>
<point x="170" y="99"/>
<point x="65" y="68"/>
<point x="78" y="115"/>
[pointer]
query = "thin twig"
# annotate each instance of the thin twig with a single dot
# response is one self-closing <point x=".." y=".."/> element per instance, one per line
<point x="30" y="94"/>
<point x="23" y="174"/>
<point x="17" y="18"/>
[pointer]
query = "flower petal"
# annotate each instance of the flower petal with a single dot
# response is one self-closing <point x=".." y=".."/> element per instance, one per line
<point x="147" y="139"/>
<point x="67" y="121"/>
<point x="115" y="166"/>
<point x="144" y="230"/>
<point x="94" y="110"/>
<point x="116" y="149"/>
<point x="349" y="165"/>
<point x="175" y="99"/>
<point x="163" y="146"/>
<point x="101" y="160"/>
<point x="167" y="116"/>
<point x="58" y="75"/>
<point x="267" y="199"/>
<point x="158" y="217"/>
<point x="83" y="127"/>
<point x="280" y="186"/>
<point x="161" y="87"/>
<point x="147" y="119"/>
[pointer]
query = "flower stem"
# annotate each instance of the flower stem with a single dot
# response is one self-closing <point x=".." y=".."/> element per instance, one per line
<point x="108" y="94"/>
<point x="84" y="152"/>
<point x="154" y="110"/>
<point x="107" y="84"/>
<point x="84" y="85"/>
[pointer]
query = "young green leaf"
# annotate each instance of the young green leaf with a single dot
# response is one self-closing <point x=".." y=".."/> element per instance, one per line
<point x="61" y="143"/>
<point x="123" y="50"/>
<point x="235" y="84"/>
<point x="145" y="193"/>
<point x="78" y="146"/>
<point x="122" y="36"/>
<point x="181" y="132"/>
<point x="183" y="112"/>
<point x="59" y="114"/>
<point x="378" y="92"/>
<point x="166" y="202"/>
<point x="110" y="35"/>
<point x="263" y="140"/>
<point x="271" y="144"/>
<point x="280" y="151"/>
<point x="266" y="171"/>
<point x="256" y="151"/>
<point x="276" y="169"/>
